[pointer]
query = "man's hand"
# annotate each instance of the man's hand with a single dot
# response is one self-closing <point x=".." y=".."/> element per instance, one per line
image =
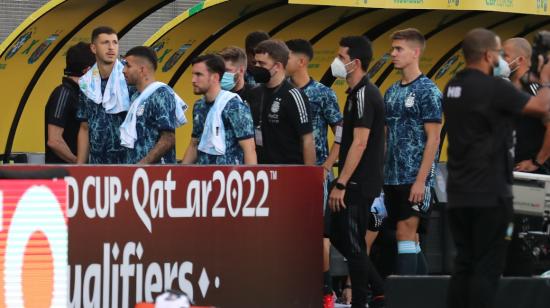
<point x="526" y="166"/>
<point x="326" y="170"/>
<point x="544" y="70"/>
<point x="336" y="199"/>
<point x="417" y="192"/>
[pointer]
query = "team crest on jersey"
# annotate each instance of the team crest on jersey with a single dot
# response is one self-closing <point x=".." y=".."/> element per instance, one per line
<point x="409" y="101"/>
<point x="140" y="111"/>
<point x="275" y="106"/>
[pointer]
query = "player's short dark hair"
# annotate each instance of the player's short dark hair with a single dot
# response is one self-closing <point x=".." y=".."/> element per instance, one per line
<point x="277" y="50"/>
<point x="78" y="58"/>
<point x="102" y="30"/>
<point x="411" y="35"/>
<point x="253" y="39"/>
<point x="300" y="46"/>
<point x="214" y="63"/>
<point x="234" y="54"/>
<point x="359" y="48"/>
<point x="477" y="42"/>
<point x="144" y="53"/>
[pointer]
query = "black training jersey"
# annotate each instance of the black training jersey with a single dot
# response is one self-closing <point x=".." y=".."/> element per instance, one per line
<point x="285" y="118"/>
<point x="529" y="131"/>
<point x="61" y="111"/>
<point x="252" y="95"/>
<point x="247" y="93"/>
<point x="365" y="108"/>
<point x="480" y="111"/>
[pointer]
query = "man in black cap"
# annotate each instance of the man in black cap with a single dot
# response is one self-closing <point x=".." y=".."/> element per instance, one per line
<point x="62" y="126"/>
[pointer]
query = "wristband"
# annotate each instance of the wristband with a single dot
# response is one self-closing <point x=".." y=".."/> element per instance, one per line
<point x="536" y="163"/>
<point x="340" y="186"/>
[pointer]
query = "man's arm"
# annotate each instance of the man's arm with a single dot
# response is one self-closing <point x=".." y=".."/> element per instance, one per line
<point x="335" y="149"/>
<point x="358" y="147"/>
<point x="356" y="150"/>
<point x="332" y="157"/>
<point x="190" y="156"/>
<point x="433" y="131"/>
<point x="249" y="149"/>
<point x="166" y="142"/>
<point x="308" y="149"/>
<point x="83" y="146"/>
<point x="540" y="104"/>
<point x="58" y="144"/>
<point x="332" y="114"/>
<point x="543" y="154"/>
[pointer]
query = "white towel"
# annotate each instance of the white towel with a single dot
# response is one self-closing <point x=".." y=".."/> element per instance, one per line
<point x="213" y="134"/>
<point x="115" y="98"/>
<point x="128" y="132"/>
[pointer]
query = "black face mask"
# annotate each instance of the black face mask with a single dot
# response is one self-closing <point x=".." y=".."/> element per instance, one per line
<point x="260" y="74"/>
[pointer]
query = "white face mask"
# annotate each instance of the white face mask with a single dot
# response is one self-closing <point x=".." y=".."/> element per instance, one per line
<point x="338" y="68"/>
<point x="502" y="69"/>
<point x="512" y="71"/>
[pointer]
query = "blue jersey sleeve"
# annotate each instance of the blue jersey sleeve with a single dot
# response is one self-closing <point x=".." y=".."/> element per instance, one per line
<point x="240" y="119"/>
<point x="162" y="111"/>
<point x="199" y="118"/>
<point x="82" y="112"/>
<point x="430" y="107"/>
<point x="331" y="110"/>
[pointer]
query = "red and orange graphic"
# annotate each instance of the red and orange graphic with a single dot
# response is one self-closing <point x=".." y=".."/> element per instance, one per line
<point x="33" y="243"/>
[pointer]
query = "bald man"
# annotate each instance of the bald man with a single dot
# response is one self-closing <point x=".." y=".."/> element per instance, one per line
<point x="480" y="109"/>
<point x="532" y="134"/>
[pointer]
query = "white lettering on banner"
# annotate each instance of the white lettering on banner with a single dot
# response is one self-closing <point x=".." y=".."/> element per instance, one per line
<point x="108" y="284"/>
<point x="112" y="192"/>
<point x="139" y="206"/>
<point x="154" y="200"/>
<point x="198" y="193"/>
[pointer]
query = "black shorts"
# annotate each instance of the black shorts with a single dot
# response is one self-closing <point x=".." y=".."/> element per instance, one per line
<point x="400" y="208"/>
<point x="375" y="222"/>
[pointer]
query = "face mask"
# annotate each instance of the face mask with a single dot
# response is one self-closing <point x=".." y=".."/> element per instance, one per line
<point x="338" y="68"/>
<point x="501" y="69"/>
<point x="260" y="74"/>
<point x="271" y="71"/>
<point x="513" y="71"/>
<point x="228" y="81"/>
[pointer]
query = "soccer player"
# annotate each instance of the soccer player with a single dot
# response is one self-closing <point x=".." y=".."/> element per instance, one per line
<point x="413" y="123"/>
<point x="223" y="131"/>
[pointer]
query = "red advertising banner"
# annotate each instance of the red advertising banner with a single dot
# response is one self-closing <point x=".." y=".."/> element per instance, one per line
<point x="227" y="236"/>
<point x="33" y="243"/>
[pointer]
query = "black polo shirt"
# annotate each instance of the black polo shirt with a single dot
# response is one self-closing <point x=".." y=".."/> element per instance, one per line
<point x="61" y="111"/>
<point x="365" y="108"/>
<point x="480" y="113"/>
<point x="529" y="131"/>
<point x="246" y="93"/>
<point x="285" y="118"/>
